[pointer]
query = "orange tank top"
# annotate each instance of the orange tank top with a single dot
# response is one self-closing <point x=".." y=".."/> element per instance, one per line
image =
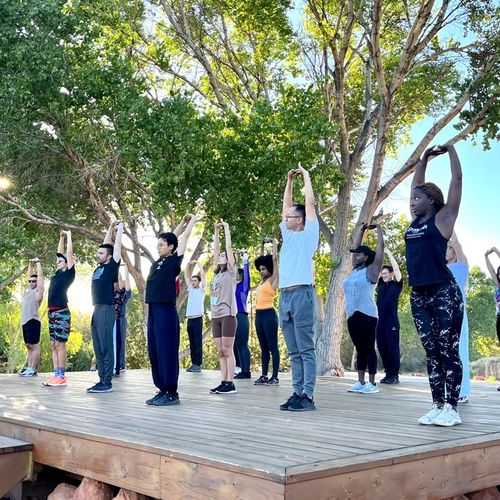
<point x="265" y="296"/>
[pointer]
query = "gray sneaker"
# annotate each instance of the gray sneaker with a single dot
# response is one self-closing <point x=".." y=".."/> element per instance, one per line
<point x="194" y="369"/>
<point x="304" y="403"/>
<point x="167" y="400"/>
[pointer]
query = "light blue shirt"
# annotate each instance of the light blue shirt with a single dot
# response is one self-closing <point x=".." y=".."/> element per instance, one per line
<point x="296" y="265"/>
<point x="460" y="271"/>
<point x="359" y="293"/>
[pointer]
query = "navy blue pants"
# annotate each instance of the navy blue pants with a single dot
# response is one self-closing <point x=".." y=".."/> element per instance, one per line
<point x="195" y="333"/>
<point x="163" y="345"/>
<point x="266" y="324"/>
<point x="388" y="343"/>
<point x="241" y="341"/>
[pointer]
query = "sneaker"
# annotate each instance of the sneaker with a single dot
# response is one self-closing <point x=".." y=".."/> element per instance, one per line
<point x="273" y="381"/>
<point x="194" y="369"/>
<point x="116" y="374"/>
<point x="157" y="396"/>
<point x="237" y="370"/>
<point x="100" y="387"/>
<point x="29" y="372"/>
<point x="22" y="371"/>
<point x="448" y="417"/>
<point x="243" y="375"/>
<point x="356" y="387"/>
<point x="304" y="403"/>
<point x="50" y="381"/>
<point x="57" y="381"/>
<point x="384" y="380"/>
<point x="393" y="379"/>
<point x="369" y="388"/>
<point x="463" y="399"/>
<point x="262" y="380"/>
<point x="430" y="416"/>
<point x="167" y="400"/>
<point x="291" y="400"/>
<point x="215" y="389"/>
<point x="227" y="388"/>
<point x="93" y="369"/>
<point x="122" y="368"/>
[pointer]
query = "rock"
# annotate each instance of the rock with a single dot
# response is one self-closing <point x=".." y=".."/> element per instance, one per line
<point x="129" y="495"/>
<point x="92" y="489"/>
<point x="63" y="491"/>
<point x="487" y="494"/>
<point x="486" y="367"/>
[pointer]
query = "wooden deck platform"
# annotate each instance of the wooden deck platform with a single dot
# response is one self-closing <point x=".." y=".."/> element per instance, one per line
<point x="15" y="462"/>
<point x="242" y="446"/>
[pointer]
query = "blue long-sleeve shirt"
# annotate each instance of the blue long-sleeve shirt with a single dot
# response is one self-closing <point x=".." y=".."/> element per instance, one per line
<point x="243" y="289"/>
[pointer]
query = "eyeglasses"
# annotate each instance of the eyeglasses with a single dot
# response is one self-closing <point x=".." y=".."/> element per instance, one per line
<point x="31" y="281"/>
<point x="293" y="217"/>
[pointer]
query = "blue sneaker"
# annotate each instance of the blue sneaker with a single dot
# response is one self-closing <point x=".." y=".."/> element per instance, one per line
<point x="357" y="387"/>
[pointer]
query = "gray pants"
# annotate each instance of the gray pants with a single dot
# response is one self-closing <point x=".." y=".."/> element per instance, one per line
<point x="103" y="321"/>
<point x="297" y="311"/>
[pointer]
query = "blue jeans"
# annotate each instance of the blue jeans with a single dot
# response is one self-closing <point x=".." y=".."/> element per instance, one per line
<point x="297" y="311"/>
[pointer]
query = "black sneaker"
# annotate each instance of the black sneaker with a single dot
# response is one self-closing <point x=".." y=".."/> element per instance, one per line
<point x="262" y="380"/>
<point x="243" y="375"/>
<point x="167" y="400"/>
<point x="286" y="406"/>
<point x="273" y="381"/>
<point x="95" y="388"/>
<point x="302" y="404"/>
<point x="158" y="395"/>
<point x="384" y="380"/>
<point x="227" y="388"/>
<point x="194" y="369"/>
<point x="393" y="379"/>
<point x="116" y="374"/>
<point x="101" y="388"/>
<point x="215" y="389"/>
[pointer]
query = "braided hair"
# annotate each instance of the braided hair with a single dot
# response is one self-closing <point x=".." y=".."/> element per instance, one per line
<point x="434" y="193"/>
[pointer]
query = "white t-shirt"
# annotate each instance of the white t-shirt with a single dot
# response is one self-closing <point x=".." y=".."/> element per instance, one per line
<point x="195" y="303"/>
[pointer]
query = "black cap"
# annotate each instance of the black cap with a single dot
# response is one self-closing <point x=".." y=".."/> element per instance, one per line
<point x="362" y="249"/>
<point x="62" y="257"/>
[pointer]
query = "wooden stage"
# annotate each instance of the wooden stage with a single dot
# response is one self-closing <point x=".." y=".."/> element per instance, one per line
<point x="353" y="446"/>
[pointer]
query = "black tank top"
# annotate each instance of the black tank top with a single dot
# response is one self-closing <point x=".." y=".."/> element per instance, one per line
<point x="426" y="254"/>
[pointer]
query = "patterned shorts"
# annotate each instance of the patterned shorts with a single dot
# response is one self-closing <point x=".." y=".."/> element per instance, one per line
<point x="59" y="325"/>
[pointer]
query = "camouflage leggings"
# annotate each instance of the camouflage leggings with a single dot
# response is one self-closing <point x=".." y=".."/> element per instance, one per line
<point x="438" y="313"/>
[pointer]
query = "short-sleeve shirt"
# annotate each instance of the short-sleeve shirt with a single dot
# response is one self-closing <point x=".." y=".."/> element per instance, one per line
<point x="359" y="293"/>
<point x="59" y="285"/>
<point x="160" y="287"/>
<point x="388" y="297"/>
<point x="223" y="294"/>
<point x="296" y="265"/>
<point x="103" y="280"/>
<point x="460" y="271"/>
<point x="195" y="302"/>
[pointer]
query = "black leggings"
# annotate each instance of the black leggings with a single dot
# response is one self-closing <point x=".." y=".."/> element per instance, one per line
<point x="438" y="312"/>
<point x="498" y="327"/>
<point x="241" y="341"/>
<point x="266" y="325"/>
<point x="362" y="331"/>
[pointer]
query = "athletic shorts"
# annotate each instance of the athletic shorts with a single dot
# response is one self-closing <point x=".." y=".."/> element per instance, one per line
<point x="31" y="331"/>
<point x="224" y="327"/>
<point x="59" y="325"/>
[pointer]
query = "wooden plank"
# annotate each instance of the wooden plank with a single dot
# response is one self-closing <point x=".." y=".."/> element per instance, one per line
<point x="10" y="445"/>
<point x="14" y="468"/>
<point x="188" y="480"/>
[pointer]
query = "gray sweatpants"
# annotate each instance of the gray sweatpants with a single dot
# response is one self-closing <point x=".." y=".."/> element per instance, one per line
<point x="103" y="321"/>
<point x="297" y="311"/>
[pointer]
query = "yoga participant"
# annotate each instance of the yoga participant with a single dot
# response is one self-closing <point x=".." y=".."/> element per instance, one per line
<point x="163" y="319"/>
<point x="297" y="307"/>
<point x="243" y="326"/>
<point x="58" y="313"/>
<point x="436" y="301"/>
<point x="103" y="319"/>
<point x="30" y="317"/>
<point x="459" y="267"/>
<point x="121" y="296"/>
<point x="224" y="308"/>
<point x="495" y="276"/>
<point x="361" y="310"/>
<point x="266" y="319"/>
<point x="389" y="288"/>
<point x="194" y="312"/>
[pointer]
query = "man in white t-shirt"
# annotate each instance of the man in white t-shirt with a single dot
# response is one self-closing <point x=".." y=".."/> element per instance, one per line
<point x="194" y="313"/>
<point x="297" y="308"/>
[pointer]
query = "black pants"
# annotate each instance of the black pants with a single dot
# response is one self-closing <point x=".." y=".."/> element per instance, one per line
<point x="241" y="341"/>
<point x="163" y="345"/>
<point x="362" y="331"/>
<point x="438" y="313"/>
<point x="498" y="327"/>
<point x="118" y="345"/>
<point x="266" y="325"/>
<point x="195" y="333"/>
<point x="388" y="343"/>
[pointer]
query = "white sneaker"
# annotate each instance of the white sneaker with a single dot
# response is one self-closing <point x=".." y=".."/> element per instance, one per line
<point x="369" y="388"/>
<point x="463" y="399"/>
<point x="356" y="387"/>
<point x="430" y="416"/>
<point x="448" y="417"/>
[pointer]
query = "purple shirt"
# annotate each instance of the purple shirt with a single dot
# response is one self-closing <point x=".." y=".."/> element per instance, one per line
<point x="243" y="289"/>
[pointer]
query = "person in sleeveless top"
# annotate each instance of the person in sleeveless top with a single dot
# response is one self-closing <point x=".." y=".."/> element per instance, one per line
<point x="459" y="267"/>
<point x="361" y="310"/>
<point x="224" y="309"/>
<point x="266" y="319"/>
<point x="30" y="317"/>
<point x="495" y="276"/>
<point x="436" y="301"/>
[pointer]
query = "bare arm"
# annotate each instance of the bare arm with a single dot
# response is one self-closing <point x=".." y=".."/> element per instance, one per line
<point x="275" y="277"/>
<point x="190" y="219"/>
<point x="188" y="272"/>
<point x="246" y="272"/>
<point x="202" y="275"/>
<point x="40" y="285"/>
<point x="309" y="195"/>
<point x="108" y="239"/>
<point x="30" y="267"/>
<point x="117" y="250"/>
<point x="490" y="267"/>
<point x="69" y="249"/>
<point x="373" y="270"/>
<point x="231" y="261"/>
<point x="459" y="251"/>
<point x="394" y="264"/>
<point x="287" y="197"/>
<point x="60" y="246"/>
<point x="357" y="237"/>
<point x="217" y="227"/>
<point x="127" y="279"/>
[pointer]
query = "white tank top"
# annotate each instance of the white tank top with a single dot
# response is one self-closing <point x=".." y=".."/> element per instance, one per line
<point x="359" y="294"/>
<point x="30" y="307"/>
